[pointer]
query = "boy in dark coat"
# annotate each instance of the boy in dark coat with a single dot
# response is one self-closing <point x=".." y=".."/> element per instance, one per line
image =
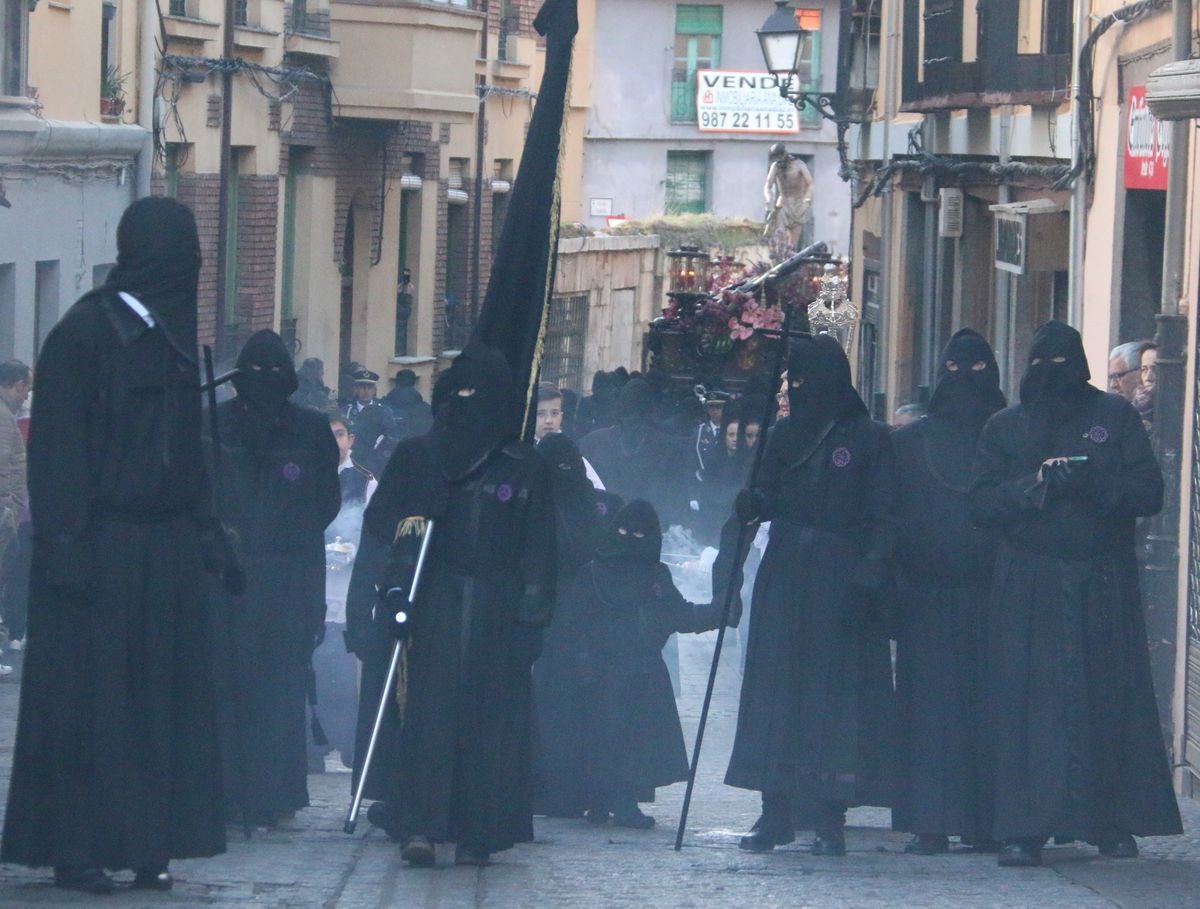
<point x="618" y="616"/>
<point x="1077" y="748"/>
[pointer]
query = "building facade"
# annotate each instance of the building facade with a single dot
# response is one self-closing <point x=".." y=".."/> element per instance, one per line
<point x="655" y="145"/>
<point x="71" y="156"/>
<point x="372" y="147"/>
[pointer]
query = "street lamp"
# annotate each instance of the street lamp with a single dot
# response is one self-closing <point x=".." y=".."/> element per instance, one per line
<point x="786" y="46"/>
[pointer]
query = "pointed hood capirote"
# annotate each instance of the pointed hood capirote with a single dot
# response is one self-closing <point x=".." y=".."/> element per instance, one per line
<point x="968" y="381"/>
<point x="474" y="409"/>
<point x="1058" y="367"/>
<point x="158" y="262"/>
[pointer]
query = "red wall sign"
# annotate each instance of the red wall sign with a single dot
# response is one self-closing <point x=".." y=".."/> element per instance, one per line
<point x="1147" y="144"/>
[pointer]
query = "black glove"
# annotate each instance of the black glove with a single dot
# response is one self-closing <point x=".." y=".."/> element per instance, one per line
<point x="1066" y="478"/>
<point x="748" y="506"/>
<point x="392" y="612"/>
<point x="526" y="644"/>
<point x="219" y="560"/>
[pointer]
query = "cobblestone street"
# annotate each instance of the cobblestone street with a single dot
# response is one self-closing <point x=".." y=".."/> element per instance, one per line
<point x="313" y="863"/>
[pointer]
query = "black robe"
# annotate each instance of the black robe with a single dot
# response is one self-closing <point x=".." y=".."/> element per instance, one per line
<point x="1076" y="744"/>
<point x="816" y="704"/>
<point x="943" y="572"/>
<point x="633" y="740"/>
<point x="116" y="760"/>
<point x="276" y="499"/>
<point x="459" y="766"/>
<point x="653" y="468"/>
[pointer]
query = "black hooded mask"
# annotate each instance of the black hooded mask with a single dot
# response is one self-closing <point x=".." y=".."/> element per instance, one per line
<point x="568" y="475"/>
<point x="266" y="376"/>
<point x="474" y="409"/>
<point x="1055" y="386"/>
<point x="635" y="536"/>
<point x="158" y="262"/>
<point x="963" y="393"/>
<point x="819" y="386"/>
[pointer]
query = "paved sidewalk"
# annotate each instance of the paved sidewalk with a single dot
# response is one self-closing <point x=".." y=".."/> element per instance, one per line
<point x="313" y="864"/>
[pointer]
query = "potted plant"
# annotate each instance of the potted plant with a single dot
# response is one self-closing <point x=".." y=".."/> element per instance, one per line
<point x="112" y="92"/>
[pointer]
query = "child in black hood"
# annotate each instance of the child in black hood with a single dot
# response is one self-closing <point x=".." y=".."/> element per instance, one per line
<point x="625" y="606"/>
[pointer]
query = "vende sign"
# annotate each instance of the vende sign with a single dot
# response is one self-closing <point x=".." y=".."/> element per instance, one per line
<point x="1147" y="144"/>
<point x="733" y="102"/>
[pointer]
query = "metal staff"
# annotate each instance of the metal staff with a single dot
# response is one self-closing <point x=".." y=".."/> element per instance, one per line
<point x="743" y="538"/>
<point x="388" y="684"/>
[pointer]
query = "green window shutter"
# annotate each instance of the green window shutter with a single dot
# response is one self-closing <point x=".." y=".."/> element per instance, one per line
<point x="810" y="117"/>
<point x="687" y="183"/>
<point x="695" y="19"/>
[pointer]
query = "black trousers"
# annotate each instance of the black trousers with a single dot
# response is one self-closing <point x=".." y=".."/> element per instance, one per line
<point x="14" y="582"/>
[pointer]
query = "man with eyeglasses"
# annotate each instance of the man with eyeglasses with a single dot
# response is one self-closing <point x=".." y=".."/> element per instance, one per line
<point x="1125" y="368"/>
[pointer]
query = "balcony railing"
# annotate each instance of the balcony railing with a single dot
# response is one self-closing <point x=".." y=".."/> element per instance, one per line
<point x="302" y="20"/>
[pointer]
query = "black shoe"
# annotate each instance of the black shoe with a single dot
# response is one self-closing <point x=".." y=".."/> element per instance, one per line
<point x="381" y="815"/>
<point x="85" y="880"/>
<point x="763" y="837"/>
<point x="1123" y="846"/>
<point x="923" y="844"/>
<point x="634" y="819"/>
<point x="153" y="879"/>
<point x="830" y="842"/>
<point x="470" y="855"/>
<point x="1019" y="855"/>
<point x="983" y="847"/>
<point x="596" y="817"/>
<point x="418" y="852"/>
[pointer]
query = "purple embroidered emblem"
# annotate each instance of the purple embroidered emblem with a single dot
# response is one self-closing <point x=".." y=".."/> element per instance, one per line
<point x="291" y="471"/>
<point x="504" y="492"/>
<point x="841" y="457"/>
<point x="1098" y="434"/>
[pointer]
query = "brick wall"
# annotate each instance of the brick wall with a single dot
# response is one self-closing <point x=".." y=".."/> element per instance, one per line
<point x="202" y="193"/>
<point x="258" y="222"/>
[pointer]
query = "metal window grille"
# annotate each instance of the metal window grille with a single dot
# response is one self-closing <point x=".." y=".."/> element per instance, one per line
<point x="687" y="183"/>
<point x="566" y="337"/>
<point x="241" y="12"/>
<point x="178" y="8"/>
<point x="697" y="46"/>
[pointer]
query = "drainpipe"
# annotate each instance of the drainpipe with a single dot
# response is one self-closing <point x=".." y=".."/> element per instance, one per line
<point x="1078" y="238"/>
<point x="1004" y="280"/>
<point x="1164" y="608"/>
<point x="890" y="81"/>
<point x="147" y="81"/>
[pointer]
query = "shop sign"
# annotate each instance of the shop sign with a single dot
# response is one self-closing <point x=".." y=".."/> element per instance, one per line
<point x="736" y="102"/>
<point x="1147" y="144"/>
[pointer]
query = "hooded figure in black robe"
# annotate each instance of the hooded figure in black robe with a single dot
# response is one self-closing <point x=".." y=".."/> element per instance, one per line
<point x="277" y="490"/>
<point x="622" y="608"/>
<point x="584" y="514"/>
<point x="457" y="766"/>
<point x="1076" y="745"/>
<point x="944" y="571"/>
<point x="116" y="762"/>
<point x="813" y="730"/>
<point x="633" y="458"/>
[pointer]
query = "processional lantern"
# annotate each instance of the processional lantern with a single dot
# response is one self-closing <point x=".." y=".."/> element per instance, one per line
<point x="832" y="313"/>
<point x="688" y="270"/>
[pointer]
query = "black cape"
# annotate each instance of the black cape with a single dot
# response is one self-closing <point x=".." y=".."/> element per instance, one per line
<point x="816" y="703"/>
<point x="1077" y="748"/>
<point x="276" y="497"/>
<point x="459" y="766"/>
<point x="116" y="760"/>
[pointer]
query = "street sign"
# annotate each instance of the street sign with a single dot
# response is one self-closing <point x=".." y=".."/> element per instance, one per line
<point x="728" y="101"/>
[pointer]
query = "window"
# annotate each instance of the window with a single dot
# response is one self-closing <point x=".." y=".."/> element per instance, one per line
<point x="410" y="246"/>
<point x="687" y="182"/>
<point x="809" y="75"/>
<point x="566" y="338"/>
<point x="1044" y="27"/>
<point x="45" y="299"/>
<point x="510" y="27"/>
<point x="241" y="12"/>
<point x="13" y="24"/>
<point x="697" y="46"/>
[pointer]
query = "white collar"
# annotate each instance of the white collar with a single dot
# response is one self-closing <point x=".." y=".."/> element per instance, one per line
<point x="138" y="307"/>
